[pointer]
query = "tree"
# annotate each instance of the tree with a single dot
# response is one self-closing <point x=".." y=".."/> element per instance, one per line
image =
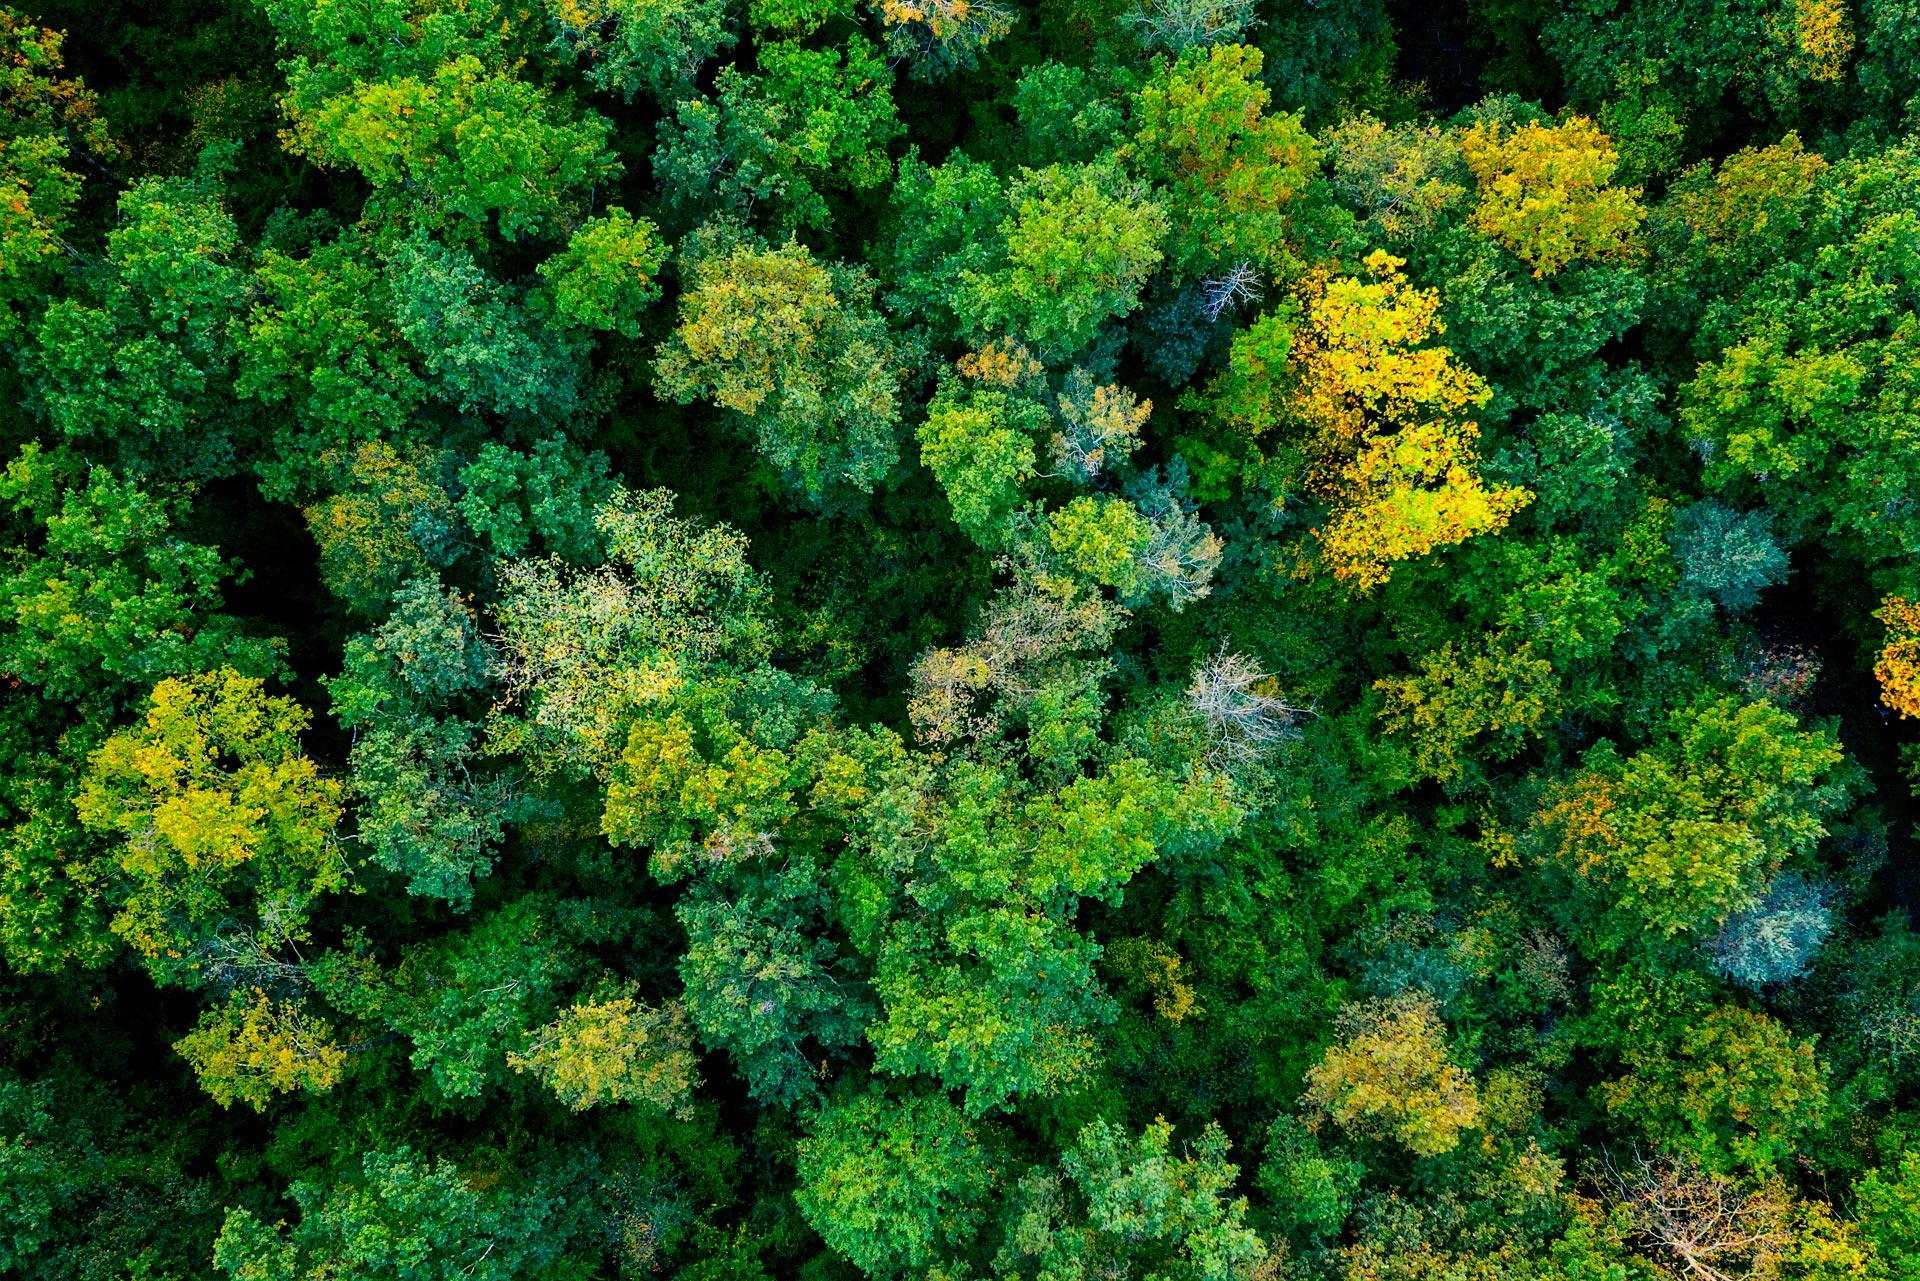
<point x="219" y="813"/>
<point x="585" y="652"/>
<point x="1500" y="689"/>
<point x="1390" y="1075"/>
<point x="1228" y="171"/>
<point x="979" y="447"/>
<point x="1705" y="1222"/>
<point x="479" y="348"/>
<point x="470" y="999"/>
<point x="1889" y="1208"/>
<point x="547" y="496"/>
<point x="319" y="343"/>
<point x="405" y="1217"/>
<point x="892" y="1182"/>
<point x="1798" y="402"/>
<point x="1404" y="179"/>
<point x="1898" y="668"/>
<point x="937" y="38"/>
<point x="613" y="1049"/>
<point x="763" y="977"/>
<point x="1546" y="193"/>
<point x="391" y="522"/>
<point x="1689" y="830"/>
<point x="256" y="1046"/>
<point x="1775" y="940"/>
<point x="812" y="121"/>
<point x="604" y="278"/>
<point x="656" y="47"/>
<point x="1077" y="246"/>
<point x="137" y="365"/>
<point x="409" y="692"/>
<point x="1122" y="1201"/>
<point x="794" y="348"/>
<point x="47" y="119"/>
<point x="1733" y="1090"/>
<point x="1182" y="25"/>
<point x="429" y="113"/>
<point x="1728" y="555"/>
<point x="103" y="596"/>
<point x="1382" y="437"/>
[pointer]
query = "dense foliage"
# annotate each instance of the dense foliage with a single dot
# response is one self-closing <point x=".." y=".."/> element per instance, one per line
<point x="1185" y="640"/>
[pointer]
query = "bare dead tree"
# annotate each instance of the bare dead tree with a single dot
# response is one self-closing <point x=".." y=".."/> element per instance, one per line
<point x="1239" y="284"/>
<point x="1711" y="1226"/>
<point x="1241" y="707"/>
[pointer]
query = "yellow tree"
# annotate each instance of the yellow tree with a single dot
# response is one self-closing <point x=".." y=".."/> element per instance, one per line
<point x="613" y="1049"/>
<point x="1388" y="446"/>
<point x="1898" y="668"/>
<point x="1546" y="193"/>
<point x="213" y="802"/>
<point x="257" y="1045"/>
<point x="1389" y="1075"/>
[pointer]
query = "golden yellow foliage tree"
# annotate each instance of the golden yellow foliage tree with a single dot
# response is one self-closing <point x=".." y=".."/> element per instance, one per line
<point x="213" y="802"/>
<point x="256" y="1046"/>
<point x="615" y="1050"/>
<point x="1389" y="1077"/>
<point x="1816" y="37"/>
<point x="1546" y="193"/>
<point x="1898" y="668"/>
<point x="1388" y="447"/>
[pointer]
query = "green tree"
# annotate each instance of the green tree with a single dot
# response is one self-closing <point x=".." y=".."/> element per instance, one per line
<point x="894" y="1182"/>
<point x="410" y="691"/>
<point x="429" y="112"/>
<point x="47" y="119"/>
<point x="794" y="349"/>
<point x="656" y="47"/>
<point x="1690" y="829"/>
<point x="812" y="122"/>
<point x="1077" y="246"/>
<point x="1123" y="1201"/>
<point x="101" y="593"/>
<point x="1228" y="171"/>
<point x="605" y="277"/>
<point x="404" y="1217"/>
<point x="138" y="365"/>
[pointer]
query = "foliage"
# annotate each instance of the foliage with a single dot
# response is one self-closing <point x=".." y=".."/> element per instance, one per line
<point x="1390" y="1076"/>
<point x="1059" y="639"/>
<point x="890" y="1181"/>
<point x="1546" y="193"/>
<point x="212" y="798"/>
<point x="794" y="348"/>
<point x="613" y="1050"/>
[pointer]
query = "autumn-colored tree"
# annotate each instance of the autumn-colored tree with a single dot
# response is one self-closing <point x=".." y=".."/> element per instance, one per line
<point x="1390" y="1075"/>
<point x="257" y="1045"/>
<point x="1898" y="668"/>
<point x="613" y="1049"/>
<point x="1382" y="432"/>
<point x="218" y="812"/>
<point x="1546" y="193"/>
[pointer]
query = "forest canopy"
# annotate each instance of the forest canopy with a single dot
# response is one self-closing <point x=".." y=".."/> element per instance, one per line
<point x="851" y="640"/>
